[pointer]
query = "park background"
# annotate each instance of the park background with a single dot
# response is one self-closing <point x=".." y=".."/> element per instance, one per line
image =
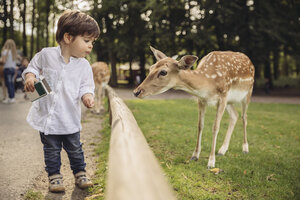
<point x="267" y="31"/>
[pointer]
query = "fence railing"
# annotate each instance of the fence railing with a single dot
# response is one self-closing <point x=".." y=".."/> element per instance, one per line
<point x="133" y="171"/>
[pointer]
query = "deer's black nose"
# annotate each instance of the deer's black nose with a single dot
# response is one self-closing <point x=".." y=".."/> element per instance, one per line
<point x="137" y="93"/>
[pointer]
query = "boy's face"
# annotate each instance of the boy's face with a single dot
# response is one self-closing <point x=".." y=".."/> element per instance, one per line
<point x="81" y="46"/>
<point x="25" y="62"/>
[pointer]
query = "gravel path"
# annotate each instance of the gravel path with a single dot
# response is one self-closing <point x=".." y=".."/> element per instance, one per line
<point x="20" y="150"/>
<point x="21" y="154"/>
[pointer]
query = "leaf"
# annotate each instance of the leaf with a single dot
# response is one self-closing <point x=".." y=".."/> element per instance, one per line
<point x="271" y="177"/>
<point x="184" y="176"/>
<point x="216" y="170"/>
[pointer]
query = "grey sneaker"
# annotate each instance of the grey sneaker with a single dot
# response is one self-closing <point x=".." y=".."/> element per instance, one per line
<point x="5" y="100"/>
<point x="56" y="183"/>
<point x="82" y="181"/>
<point x="13" y="100"/>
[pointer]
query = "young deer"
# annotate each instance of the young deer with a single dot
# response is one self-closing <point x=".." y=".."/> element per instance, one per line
<point x="101" y="77"/>
<point x="222" y="78"/>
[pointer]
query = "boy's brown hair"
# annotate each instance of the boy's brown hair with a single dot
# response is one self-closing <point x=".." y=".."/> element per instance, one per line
<point x="76" y="23"/>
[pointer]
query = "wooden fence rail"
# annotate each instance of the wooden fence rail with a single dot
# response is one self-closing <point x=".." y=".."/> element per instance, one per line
<point x="133" y="171"/>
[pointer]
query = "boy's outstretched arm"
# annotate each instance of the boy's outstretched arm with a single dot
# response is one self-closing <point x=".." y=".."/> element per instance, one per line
<point x="88" y="100"/>
<point x="29" y="82"/>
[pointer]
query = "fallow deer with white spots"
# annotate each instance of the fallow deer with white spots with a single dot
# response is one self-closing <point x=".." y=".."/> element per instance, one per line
<point x="222" y="79"/>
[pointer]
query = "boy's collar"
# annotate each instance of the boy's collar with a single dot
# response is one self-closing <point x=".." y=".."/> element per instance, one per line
<point x="60" y="55"/>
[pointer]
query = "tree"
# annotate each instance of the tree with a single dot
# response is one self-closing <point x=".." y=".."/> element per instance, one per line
<point x="32" y="28"/>
<point x="23" y="15"/>
<point x="4" y="18"/>
<point x="11" y="19"/>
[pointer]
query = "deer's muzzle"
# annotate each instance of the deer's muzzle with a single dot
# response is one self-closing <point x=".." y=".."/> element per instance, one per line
<point x="137" y="92"/>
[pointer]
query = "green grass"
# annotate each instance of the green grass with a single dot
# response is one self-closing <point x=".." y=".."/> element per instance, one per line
<point x="271" y="170"/>
<point x="33" y="195"/>
<point x="102" y="151"/>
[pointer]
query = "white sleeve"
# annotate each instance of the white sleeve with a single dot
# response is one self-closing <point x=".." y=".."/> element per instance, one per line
<point x="87" y="82"/>
<point x="35" y="66"/>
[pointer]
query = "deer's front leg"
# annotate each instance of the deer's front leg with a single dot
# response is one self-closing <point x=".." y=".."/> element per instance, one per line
<point x="197" y="151"/>
<point x="220" y="111"/>
<point x="98" y="94"/>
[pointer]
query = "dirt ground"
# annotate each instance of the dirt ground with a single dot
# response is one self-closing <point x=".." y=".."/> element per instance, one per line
<point x="21" y="154"/>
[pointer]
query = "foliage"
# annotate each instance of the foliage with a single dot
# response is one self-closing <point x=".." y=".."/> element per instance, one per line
<point x="267" y="31"/>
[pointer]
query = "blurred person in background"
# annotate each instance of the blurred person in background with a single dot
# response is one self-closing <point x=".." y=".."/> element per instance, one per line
<point x="9" y="57"/>
<point x="19" y="82"/>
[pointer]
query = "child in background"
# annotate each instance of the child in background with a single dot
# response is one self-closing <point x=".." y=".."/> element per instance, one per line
<point x="19" y="84"/>
<point x="9" y="57"/>
<point x="69" y="75"/>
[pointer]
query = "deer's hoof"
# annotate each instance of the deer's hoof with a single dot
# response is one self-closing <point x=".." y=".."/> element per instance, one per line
<point x="194" y="158"/>
<point x="210" y="167"/>
<point x="221" y="154"/>
<point x="245" y="152"/>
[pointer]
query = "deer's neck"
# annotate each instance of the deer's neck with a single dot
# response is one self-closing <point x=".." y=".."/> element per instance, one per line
<point x="193" y="82"/>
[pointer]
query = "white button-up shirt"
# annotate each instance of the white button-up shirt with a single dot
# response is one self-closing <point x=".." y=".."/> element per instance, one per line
<point x="59" y="113"/>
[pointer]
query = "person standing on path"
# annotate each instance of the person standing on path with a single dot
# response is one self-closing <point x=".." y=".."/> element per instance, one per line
<point x="57" y="115"/>
<point x="9" y="57"/>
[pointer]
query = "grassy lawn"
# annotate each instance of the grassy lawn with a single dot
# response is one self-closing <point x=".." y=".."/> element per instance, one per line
<point x="271" y="170"/>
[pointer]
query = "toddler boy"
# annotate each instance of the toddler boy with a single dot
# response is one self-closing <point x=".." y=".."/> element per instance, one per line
<point x="69" y="75"/>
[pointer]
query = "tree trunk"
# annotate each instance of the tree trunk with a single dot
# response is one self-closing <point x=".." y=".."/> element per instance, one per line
<point x="47" y="22"/>
<point x="142" y="64"/>
<point x="38" y="34"/>
<point x="285" y="62"/>
<point x="5" y="16"/>
<point x="131" y="78"/>
<point x="112" y="58"/>
<point x="276" y="63"/>
<point x="23" y="13"/>
<point x="267" y="72"/>
<point x="11" y="20"/>
<point x="53" y="28"/>
<point x="298" y="67"/>
<point x="32" y="29"/>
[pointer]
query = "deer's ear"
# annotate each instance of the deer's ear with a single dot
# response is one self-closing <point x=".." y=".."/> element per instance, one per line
<point x="187" y="61"/>
<point x="158" y="54"/>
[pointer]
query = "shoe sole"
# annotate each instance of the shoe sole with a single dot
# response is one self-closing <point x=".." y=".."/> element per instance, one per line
<point x="84" y="186"/>
<point x="57" y="189"/>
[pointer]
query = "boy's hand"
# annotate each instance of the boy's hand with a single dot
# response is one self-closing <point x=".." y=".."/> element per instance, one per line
<point x="29" y="82"/>
<point x="88" y="100"/>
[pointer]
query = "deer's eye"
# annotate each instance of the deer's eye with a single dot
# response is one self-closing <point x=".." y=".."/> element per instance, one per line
<point x="162" y="73"/>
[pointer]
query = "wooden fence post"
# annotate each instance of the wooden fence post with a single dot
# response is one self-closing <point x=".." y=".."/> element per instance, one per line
<point x="133" y="171"/>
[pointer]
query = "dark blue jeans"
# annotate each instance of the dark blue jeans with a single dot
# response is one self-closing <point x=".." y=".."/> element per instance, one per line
<point x="52" y="148"/>
<point x="9" y="74"/>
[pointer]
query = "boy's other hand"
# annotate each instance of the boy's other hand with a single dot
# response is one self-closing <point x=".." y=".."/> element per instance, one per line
<point x="88" y="100"/>
<point x="29" y="82"/>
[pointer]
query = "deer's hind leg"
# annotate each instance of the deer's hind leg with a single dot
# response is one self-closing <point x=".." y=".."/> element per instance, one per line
<point x="245" y="104"/>
<point x="220" y="111"/>
<point x="233" y="117"/>
<point x="197" y="150"/>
